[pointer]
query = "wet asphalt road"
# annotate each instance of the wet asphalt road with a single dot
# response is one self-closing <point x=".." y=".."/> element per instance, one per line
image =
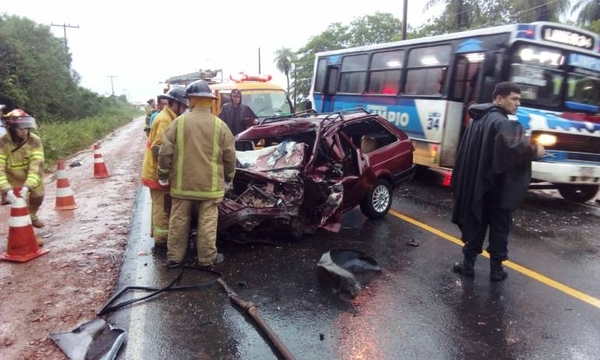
<point x="416" y="308"/>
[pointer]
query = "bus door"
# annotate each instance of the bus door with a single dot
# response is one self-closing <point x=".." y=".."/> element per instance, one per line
<point x="467" y="83"/>
<point x="329" y="90"/>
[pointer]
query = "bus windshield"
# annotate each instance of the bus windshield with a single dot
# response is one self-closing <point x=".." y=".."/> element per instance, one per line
<point x="540" y="72"/>
<point x="267" y="103"/>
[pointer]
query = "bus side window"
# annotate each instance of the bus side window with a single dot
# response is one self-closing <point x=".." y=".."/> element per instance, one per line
<point x="385" y="72"/>
<point x="412" y="82"/>
<point x="425" y="81"/>
<point x="353" y="74"/>
<point x="384" y="82"/>
<point x="321" y="75"/>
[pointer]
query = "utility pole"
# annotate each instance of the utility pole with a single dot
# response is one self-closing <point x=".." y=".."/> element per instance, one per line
<point x="404" y="19"/>
<point x="65" y="26"/>
<point x="112" y="87"/>
<point x="259" y="60"/>
<point x="295" y="87"/>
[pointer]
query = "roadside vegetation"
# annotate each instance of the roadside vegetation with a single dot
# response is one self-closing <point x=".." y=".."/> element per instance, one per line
<point x="62" y="138"/>
<point x="36" y="76"/>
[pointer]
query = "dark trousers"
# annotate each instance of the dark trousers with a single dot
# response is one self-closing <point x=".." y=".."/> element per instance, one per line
<point x="498" y="221"/>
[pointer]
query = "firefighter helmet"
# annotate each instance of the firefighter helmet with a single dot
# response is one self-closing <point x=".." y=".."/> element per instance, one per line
<point x="19" y="119"/>
<point x="199" y="88"/>
<point x="177" y="93"/>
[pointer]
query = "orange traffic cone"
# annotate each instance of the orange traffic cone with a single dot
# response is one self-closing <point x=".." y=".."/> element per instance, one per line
<point x="64" y="195"/>
<point x="100" y="170"/>
<point x="22" y="244"/>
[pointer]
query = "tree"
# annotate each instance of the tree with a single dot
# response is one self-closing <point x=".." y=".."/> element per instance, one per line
<point x="456" y="13"/>
<point x="284" y="61"/>
<point x="36" y="74"/>
<point x="535" y="10"/>
<point x="588" y="11"/>
<point x="374" y="29"/>
<point x="365" y="30"/>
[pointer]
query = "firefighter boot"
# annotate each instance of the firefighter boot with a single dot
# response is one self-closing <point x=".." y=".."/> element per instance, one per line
<point x="466" y="267"/>
<point x="36" y="222"/>
<point x="34" y="204"/>
<point x="497" y="271"/>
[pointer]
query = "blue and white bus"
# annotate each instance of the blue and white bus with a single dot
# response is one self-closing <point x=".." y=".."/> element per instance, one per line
<point x="424" y="86"/>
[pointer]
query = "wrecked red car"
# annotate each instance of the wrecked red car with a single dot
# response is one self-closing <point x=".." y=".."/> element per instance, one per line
<point x="311" y="168"/>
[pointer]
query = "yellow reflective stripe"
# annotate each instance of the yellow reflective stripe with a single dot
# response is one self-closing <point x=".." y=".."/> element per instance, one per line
<point x="179" y="164"/>
<point x="2" y="161"/>
<point x="198" y="194"/>
<point x="34" y="177"/>
<point x="19" y="166"/>
<point x="215" y="155"/>
<point x="35" y="153"/>
<point x="2" y="156"/>
<point x="158" y="230"/>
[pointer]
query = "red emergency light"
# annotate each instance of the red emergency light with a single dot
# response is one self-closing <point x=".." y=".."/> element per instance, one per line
<point x="241" y="77"/>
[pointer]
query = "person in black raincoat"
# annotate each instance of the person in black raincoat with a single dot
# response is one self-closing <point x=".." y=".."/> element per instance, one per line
<point x="236" y="115"/>
<point x="491" y="176"/>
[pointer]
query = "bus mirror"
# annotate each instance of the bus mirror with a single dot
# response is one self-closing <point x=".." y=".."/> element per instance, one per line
<point x="489" y="64"/>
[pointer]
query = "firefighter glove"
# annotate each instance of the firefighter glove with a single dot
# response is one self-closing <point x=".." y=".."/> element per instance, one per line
<point x="10" y="196"/>
<point x="24" y="192"/>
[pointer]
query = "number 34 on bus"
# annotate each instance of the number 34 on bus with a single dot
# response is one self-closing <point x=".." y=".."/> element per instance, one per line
<point x="425" y="86"/>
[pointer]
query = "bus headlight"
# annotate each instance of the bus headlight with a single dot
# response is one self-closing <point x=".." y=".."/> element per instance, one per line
<point x="546" y="139"/>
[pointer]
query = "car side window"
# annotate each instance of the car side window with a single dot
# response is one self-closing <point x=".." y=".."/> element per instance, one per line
<point x="369" y="135"/>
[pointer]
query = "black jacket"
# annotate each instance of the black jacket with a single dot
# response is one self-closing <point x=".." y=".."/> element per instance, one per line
<point x="493" y="164"/>
<point x="237" y="118"/>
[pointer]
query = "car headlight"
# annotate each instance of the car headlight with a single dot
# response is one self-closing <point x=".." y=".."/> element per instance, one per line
<point x="546" y="139"/>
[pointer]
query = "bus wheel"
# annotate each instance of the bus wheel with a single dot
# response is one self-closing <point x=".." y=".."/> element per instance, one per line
<point x="578" y="193"/>
<point x="378" y="200"/>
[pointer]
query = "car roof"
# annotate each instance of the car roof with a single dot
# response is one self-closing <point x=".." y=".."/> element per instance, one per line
<point x="306" y="121"/>
<point x="317" y="118"/>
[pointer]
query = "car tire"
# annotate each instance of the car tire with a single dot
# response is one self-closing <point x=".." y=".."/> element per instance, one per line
<point x="578" y="193"/>
<point x="378" y="200"/>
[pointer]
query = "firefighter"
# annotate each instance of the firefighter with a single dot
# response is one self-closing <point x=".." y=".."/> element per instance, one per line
<point x="22" y="162"/>
<point x="197" y="159"/>
<point x="176" y="105"/>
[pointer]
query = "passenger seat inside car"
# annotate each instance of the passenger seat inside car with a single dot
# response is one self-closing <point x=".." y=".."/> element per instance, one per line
<point x="368" y="143"/>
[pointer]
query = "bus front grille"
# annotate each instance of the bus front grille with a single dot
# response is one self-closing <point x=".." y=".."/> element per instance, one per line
<point x="577" y="143"/>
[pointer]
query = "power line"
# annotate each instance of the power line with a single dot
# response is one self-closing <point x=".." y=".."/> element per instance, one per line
<point x="65" y="26"/>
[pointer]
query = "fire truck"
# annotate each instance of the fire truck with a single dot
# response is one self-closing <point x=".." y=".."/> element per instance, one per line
<point x="265" y="98"/>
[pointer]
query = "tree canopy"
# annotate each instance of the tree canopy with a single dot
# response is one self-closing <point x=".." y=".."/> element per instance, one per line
<point x="36" y="73"/>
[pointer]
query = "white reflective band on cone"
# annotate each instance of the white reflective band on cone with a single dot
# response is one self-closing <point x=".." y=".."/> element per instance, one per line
<point x="64" y="192"/>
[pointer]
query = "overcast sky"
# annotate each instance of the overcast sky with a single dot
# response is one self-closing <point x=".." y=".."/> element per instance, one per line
<point x="142" y="45"/>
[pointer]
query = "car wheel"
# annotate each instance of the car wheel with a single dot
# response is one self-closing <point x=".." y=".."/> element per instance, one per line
<point x="578" y="193"/>
<point x="378" y="200"/>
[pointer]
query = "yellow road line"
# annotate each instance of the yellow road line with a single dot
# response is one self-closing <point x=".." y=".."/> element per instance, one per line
<point x="523" y="270"/>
